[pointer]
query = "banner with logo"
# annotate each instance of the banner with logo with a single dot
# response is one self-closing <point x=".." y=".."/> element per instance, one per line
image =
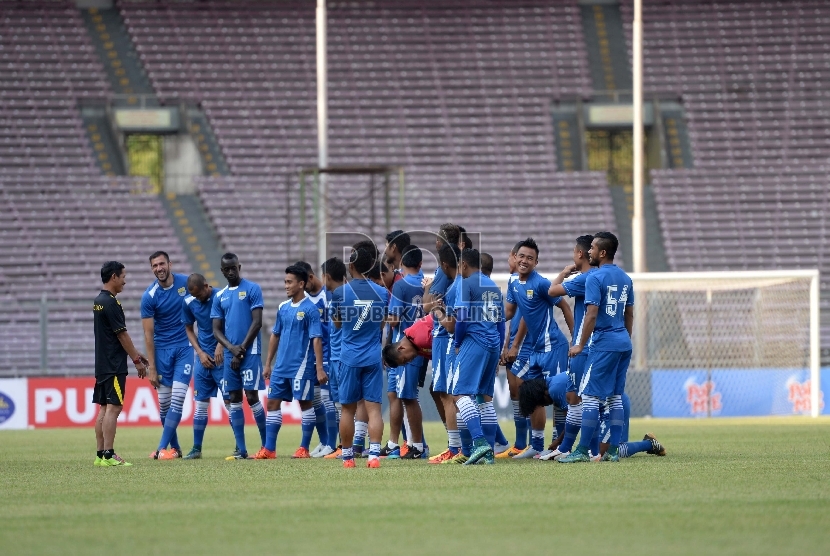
<point x="734" y="392"/>
<point x="14" y="410"/>
<point x="67" y="402"/>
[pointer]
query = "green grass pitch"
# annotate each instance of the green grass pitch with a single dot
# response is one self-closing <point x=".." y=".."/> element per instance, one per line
<point x="753" y="486"/>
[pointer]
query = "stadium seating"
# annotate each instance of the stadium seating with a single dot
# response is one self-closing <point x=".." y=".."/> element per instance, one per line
<point x="457" y="93"/>
<point x="62" y="219"/>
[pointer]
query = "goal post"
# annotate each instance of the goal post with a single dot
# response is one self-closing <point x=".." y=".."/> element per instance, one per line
<point x="726" y="343"/>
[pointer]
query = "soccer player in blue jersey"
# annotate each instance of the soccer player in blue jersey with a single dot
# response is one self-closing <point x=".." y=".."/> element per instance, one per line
<point x="550" y="347"/>
<point x="334" y="276"/>
<point x="237" y="319"/>
<point x="404" y="309"/>
<point x="571" y="282"/>
<point x="208" y="363"/>
<point x="168" y="349"/>
<point x="607" y="324"/>
<point x="297" y="343"/>
<point x="359" y="310"/>
<point x="477" y="324"/>
<point x="319" y="296"/>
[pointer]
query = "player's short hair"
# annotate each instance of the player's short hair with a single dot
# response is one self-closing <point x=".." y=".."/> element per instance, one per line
<point x="298" y="272"/>
<point x="335" y="268"/>
<point x="466" y="242"/>
<point x="364" y="259"/>
<point x="449" y="233"/>
<point x="196" y="280"/>
<point x="412" y="256"/>
<point x="607" y="242"/>
<point x="110" y="269"/>
<point x="530" y="243"/>
<point x="471" y="257"/>
<point x="230" y="257"/>
<point x="449" y="254"/>
<point x="584" y="242"/>
<point x="399" y="239"/>
<point x="532" y="395"/>
<point x="308" y="268"/>
<point x="160" y="254"/>
<point x="376" y="272"/>
<point x="516" y="248"/>
<point x="391" y="357"/>
<point x="486" y="264"/>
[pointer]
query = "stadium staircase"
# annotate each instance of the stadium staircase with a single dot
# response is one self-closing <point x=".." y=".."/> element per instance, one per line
<point x="196" y="234"/>
<point x="566" y="129"/>
<point x="200" y="129"/>
<point x="108" y="155"/>
<point x="605" y="45"/>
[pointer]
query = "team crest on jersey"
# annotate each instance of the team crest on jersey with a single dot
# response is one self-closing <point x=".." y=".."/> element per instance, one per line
<point x="300" y="315"/>
<point x="181" y="291"/>
<point x="529" y="294"/>
<point x="242" y="295"/>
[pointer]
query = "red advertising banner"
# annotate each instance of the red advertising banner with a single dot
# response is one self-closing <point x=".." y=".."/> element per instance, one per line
<point x="67" y="402"/>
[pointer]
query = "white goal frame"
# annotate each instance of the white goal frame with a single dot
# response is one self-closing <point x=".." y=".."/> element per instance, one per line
<point x="773" y="275"/>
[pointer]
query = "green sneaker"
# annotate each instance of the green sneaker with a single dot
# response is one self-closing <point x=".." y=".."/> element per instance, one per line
<point x="490" y="458"/>
<point x="458" y="458"/>
<point x="576" y="456"/>
<point x="115" y="461"/>
<point x="613" y="454"/>
<point x="480" y="451"/>
<point x="194" y="454"/>
<point x="98" y="461"/>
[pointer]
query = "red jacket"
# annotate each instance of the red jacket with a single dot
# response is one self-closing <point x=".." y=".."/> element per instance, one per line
<point x="420" y="334"/>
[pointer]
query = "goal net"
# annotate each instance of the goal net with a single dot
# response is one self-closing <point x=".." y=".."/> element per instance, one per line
<point x="725" y="344"/>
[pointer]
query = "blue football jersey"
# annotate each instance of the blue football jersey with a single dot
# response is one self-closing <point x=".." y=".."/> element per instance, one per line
<point x="480" y="305"/>
<point x="361" y="307"/>
<point x="297" y="324"/>
<point x="517" y="316"/>
<point x="440" y="285"/>
<point x="321" y="301"/>
<point x="537" y="306"/>
<point x="335" y="334"/>
<point x="234" y="305"/>
<point x="557" y="388"/>
<point x="164" y="306"/>
<point x="575" y="287"/>
<point x="407" y="295"/>
<point x="194" y="311"/>
<point x="611" y="289"/>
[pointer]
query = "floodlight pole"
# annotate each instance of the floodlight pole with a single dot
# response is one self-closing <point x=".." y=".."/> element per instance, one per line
<point x="638" y="234"/>
<point x="322" y="132"/>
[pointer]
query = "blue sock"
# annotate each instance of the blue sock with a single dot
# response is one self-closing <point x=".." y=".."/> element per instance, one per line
<point x="573" y="422"/>
<point x="273" y="423"/>
<point x="489" y="422"/>
<point x="500" y="438"/>
<point x="347" y="454"/>
<point x="537" y="440"/>
<point x="520" y="422"/>
<point x="464" y="434"/>
<point x="559" y="418"/>
<point x="472" y="418"/>
<point x="259" y="417"/>
<point x="331" y="423"/>
<point x="308" y="423"/>
<point x="628" y="449"/>
<point x="615" y="419"/>
<point x="173" y="417"/>
<point x="238" y="426"/>
<point x="590" y="421"/>
<point x="595" y="442"/>
<point x="320" y="418"/>
<point x="200" y="421"/>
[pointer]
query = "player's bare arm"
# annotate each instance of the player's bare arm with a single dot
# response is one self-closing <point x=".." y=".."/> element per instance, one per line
<point x="588" y="323"/>
<point x="273" y="344"/>
<point x="139" y="360"/>
<point x="629" y="319"/>
<point x="567" y="271"/>
<point x="253" y="332"/>
<point x="568" y="314"/>
<point x="219" y="355"/>
<point x="322" y="377"/>
<point x="152" y="375"/>
<point x="521" y="332"/>
<point x="204" y="358"/>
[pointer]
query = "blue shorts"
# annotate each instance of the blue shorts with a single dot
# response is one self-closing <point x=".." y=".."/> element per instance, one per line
<point x="247" y="377"/>
<point x="174" y="365"/>
<point x="520" y="366"/>
<point x="360" y="383"/>
<point x="440" y="369"/>
<point x="548" y="363"/>
<point x="333" y="384"/>
<point x="408" y="375"/>
<point x="605" y="373"/>
<point x="207" y="382"/>
<point x="605" y="430"/>
<point x="475" y="370"/>
<point x="288" y="389"/>
<point x="392" y="374"/>
<point x="576" y="366"/>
